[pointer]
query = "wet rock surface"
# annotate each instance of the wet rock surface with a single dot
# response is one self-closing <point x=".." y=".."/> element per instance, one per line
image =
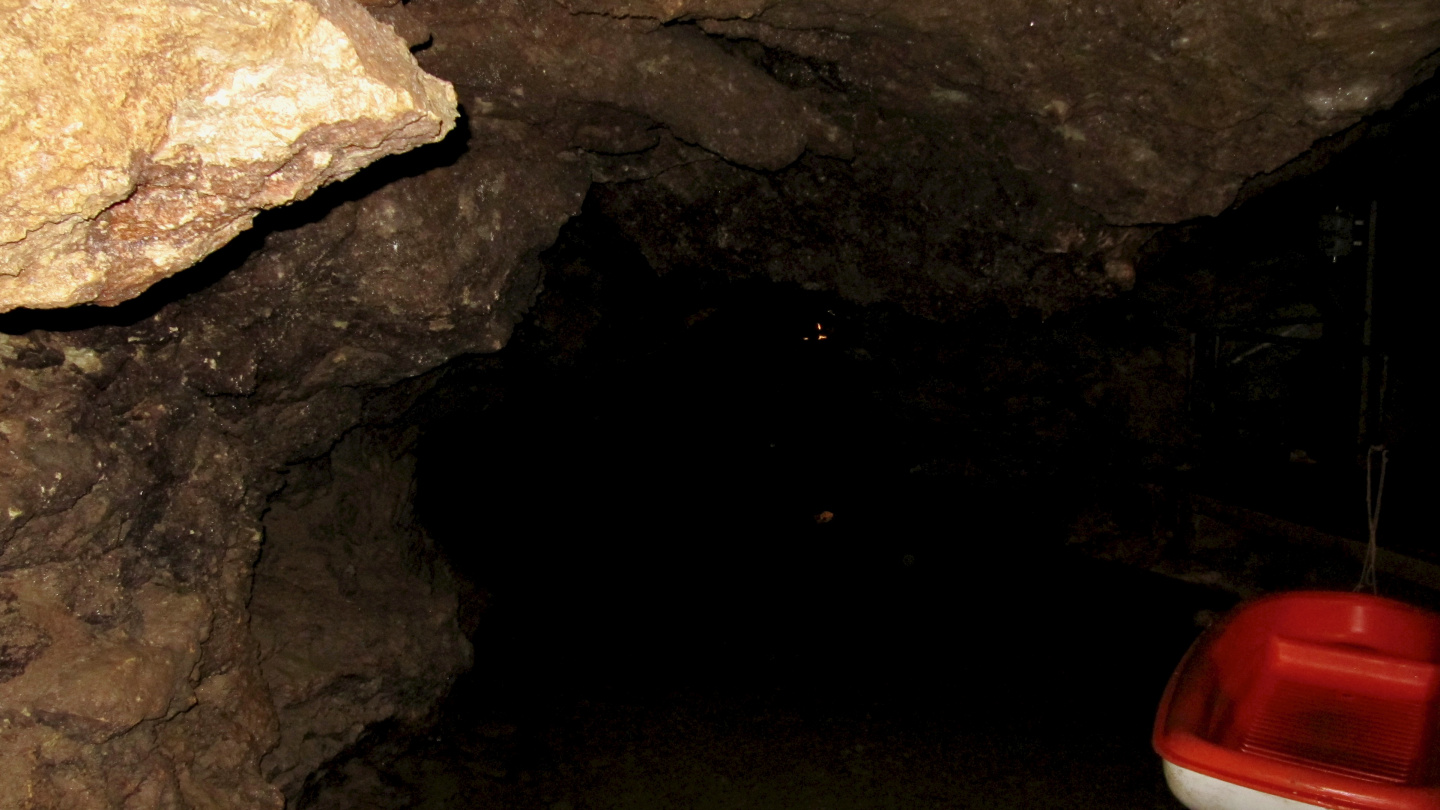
<point x="194" y="595"/>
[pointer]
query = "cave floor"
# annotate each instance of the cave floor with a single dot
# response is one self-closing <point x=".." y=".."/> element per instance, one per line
<point x="667" y="624"/>
<point x="1028" y="683"/>
<point x="697" y="751"/>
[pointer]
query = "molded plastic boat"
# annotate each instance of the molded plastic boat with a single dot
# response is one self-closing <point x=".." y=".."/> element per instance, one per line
<point x="1308" y="699"/>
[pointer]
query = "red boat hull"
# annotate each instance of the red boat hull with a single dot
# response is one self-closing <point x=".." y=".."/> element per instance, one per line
<point x="1330" y="699"/>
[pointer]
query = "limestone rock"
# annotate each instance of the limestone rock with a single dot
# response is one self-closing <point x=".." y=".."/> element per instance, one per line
<point x="137" y="136"/>
<point x="139" y="447"/>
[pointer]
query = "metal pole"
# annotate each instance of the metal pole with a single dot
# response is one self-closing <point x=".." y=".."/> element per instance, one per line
<point x="1368" y="330"/>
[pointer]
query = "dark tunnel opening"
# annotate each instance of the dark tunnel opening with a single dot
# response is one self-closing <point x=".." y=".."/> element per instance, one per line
<point x="750" y="500"/>
<point x="715" y="532"/>
<point x="702" y="469"/>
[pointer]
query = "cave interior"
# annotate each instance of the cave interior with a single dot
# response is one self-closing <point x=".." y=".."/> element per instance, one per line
<point x="792" y="524"/>
<point x="717" y="534"/>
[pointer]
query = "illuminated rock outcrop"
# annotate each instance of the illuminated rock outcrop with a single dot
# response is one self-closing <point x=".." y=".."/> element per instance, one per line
<point x="137" y="136"/>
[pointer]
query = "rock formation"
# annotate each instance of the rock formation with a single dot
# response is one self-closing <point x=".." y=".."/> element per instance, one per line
<point x="139" y="137"/>
<point x="944" y="155"/>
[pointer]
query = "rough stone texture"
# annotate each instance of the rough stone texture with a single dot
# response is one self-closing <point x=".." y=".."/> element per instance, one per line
<point x="1146" y="110"/>
<point x="534" y="62"/>
<point x="998" y="150"/>
<point x="139" y="447"/>
<point x="947" y="155"/>
<point x="137" y="137"/>
<point x="353" y="626"/>
<point x="982" y="151"/>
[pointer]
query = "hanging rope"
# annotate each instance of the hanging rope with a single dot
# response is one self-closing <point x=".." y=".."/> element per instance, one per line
<point x="1373" y="493"/>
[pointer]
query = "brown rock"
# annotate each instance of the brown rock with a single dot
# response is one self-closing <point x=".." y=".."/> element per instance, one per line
<point x="94" y="685"/>
<point x="137" y="136"/>
<point x="518" y="60"/>
<point x="136" y="460"/>
<point x="990" y="150"/>
<point x="1142" y="110"/>
<point x="353" y="627"/>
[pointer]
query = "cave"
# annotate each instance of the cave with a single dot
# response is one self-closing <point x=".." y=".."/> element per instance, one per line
<point x="624" y="403"/>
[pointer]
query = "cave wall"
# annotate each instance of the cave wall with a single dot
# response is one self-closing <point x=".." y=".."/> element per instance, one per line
<point x="946" y="156"/>
<point x="353" y="610"/>
<point x="141" y="446"/>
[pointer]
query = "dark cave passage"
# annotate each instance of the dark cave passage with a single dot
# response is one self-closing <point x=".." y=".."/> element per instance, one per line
<point x="434" y="404"/>
<point x="638" y="488"/>
<point x="726" y="542"/>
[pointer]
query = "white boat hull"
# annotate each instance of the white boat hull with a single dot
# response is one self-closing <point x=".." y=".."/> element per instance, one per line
<point x="1200" y="792"/>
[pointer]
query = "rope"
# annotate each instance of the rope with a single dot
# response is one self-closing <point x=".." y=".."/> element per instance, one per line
<point x="1373" y="494"/>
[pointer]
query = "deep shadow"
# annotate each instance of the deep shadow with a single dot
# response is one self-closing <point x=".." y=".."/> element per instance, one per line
<point x="1274" y="294"/>
<point x="638" y="487"/>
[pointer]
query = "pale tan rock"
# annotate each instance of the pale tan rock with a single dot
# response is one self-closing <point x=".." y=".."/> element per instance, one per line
<point x="137" y="136"/>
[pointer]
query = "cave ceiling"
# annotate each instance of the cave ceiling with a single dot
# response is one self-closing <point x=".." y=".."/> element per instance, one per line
<point x="940" y="155"/>
<point x="936" y="152"/>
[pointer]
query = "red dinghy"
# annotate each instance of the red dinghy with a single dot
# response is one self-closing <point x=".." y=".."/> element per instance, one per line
<point x="1310" y="699"/>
